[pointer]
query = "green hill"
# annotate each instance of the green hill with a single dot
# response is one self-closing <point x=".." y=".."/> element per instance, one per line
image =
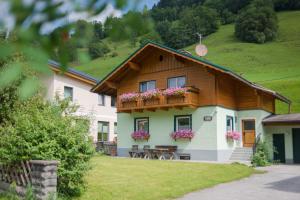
<point x="275" y="65"/>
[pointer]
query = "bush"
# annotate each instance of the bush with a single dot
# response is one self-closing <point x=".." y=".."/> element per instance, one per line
<point x="257" y="23"/>
<point x="98" y="49"/>
<point x="260" y="158"/>
<point x="49" y="131"/>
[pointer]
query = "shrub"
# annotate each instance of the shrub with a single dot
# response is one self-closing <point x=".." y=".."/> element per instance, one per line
<point x="260" y="158"/>
<point x="49" y="131"/>
<point x="257" y="23"/>
<point x="98" y="49"/>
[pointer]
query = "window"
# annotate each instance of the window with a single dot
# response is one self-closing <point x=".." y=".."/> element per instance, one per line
<point x="141" y="124"/>
<point x="101" y="100"/>
<point x="68" y="93"/>
<point x="147" y="85"/>
<point x="176" y="82"/>
<point x="113" y="101"/>
<point x="249" y="125"/>
<point x="116" y="128"/>
<point x="229" y="123"/>
<point x="103" y="130"/>
<point x="183" y="122"/>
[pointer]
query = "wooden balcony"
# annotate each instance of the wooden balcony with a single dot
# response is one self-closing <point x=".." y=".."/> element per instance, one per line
<point x="190" y="99"/>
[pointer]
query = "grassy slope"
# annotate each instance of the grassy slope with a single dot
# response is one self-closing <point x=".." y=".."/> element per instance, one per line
<point x="134" y="179"/>
<point x="275" y="65"/>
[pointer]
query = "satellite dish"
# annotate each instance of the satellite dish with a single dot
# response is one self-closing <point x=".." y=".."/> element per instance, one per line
<point x="201" y="50"/>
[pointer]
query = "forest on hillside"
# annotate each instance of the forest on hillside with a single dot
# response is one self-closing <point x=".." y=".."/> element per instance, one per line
<point x="176" y="24"/>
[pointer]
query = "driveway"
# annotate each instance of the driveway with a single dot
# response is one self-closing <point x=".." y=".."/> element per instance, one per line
<point x="281" y="182"/>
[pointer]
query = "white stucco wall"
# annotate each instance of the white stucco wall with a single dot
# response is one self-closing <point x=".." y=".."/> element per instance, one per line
<point x="288" y="139"/>
<point x="87" y="101"/>
<point x="210" y="141"/>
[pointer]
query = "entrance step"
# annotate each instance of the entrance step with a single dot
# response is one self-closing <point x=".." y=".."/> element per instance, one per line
<point x="242" y="154"/>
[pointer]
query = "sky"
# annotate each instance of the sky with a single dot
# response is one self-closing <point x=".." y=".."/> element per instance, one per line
<point x="7" y="20"/>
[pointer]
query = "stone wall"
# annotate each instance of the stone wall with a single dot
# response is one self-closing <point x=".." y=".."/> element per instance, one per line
<point x="43" y="178"/>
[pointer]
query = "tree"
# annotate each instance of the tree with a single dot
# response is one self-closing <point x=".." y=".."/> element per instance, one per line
<point x="257" y="22"/>
<point x="286" y="5"/>
<point x="98" y="31"/>
<point x="98" y="49"/>
<point x="42" y="130"/>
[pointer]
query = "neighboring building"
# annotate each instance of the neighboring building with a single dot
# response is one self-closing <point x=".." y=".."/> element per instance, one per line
<point x="76" y="85"/>
<point x="217" y="101"/>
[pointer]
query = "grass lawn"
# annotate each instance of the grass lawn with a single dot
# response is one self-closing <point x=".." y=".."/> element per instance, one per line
<point x="275" y="65"/>
<point x="134" y="179"/>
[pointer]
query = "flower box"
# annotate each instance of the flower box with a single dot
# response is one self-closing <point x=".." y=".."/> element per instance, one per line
<point x="183" y="134"/>
<point x="233" y="135"/>
<point x="150" y="94"/>
<point x="140" y="135"/>
<point x="129" y="97"/>
<point x="171" y="92"/>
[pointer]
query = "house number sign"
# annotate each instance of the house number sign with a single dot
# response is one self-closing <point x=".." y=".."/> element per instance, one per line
<point x="207" y="118"/>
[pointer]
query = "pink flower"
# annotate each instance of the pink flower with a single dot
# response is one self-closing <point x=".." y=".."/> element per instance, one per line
<point x="174" y="91"/>
<point x="140" y="135"/>
<point x="233" y="135"/>
<point x="127" y="97"/>
<point x="183" y="134"/>
<point x="150" y="94"/>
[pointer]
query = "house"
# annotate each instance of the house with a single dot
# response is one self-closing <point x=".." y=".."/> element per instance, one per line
<point x="161" y="91"/>
<point x="76" y="85"/>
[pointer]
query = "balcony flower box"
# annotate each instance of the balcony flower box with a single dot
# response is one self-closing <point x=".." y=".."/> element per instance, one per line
<point x="233" y="135"/>
<point x="183" y="134"/>
<point x="140" y="135"/>
<point x="151" y="97"/>
<point x="129" y="97"/>
<point x="177" y="92"/>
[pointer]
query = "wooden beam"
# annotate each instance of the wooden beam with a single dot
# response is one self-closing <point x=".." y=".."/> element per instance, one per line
<point x="134" y="66"/>
<point x="151" y="109"/>
<point x="178" y="107"/>
<point x="164" y="108"/>
<point x="112" y="84"/>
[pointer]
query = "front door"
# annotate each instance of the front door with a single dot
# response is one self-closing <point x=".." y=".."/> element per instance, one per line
<point x="279" y="148"/>
<point x="248" y="132"/>
<point x="296" y="145"/>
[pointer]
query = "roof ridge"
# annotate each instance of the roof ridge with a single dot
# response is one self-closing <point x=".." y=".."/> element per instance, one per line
<point x="72" y="70"/>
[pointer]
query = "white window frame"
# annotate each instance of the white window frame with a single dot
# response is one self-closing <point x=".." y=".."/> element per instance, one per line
<point x="72" y="92"/>
<point x="102" y="96"/>
<point x="136" y="120"/>
<point x="177" y="117"/>
<point x="102" y="132"/>
<point x="177" y="80"/>
<point x="232" y="124"/>
<point x="147" y="85"/>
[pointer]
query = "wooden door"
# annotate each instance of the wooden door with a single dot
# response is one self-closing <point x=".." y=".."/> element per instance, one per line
<point x="279" y="148"/>
<point x="248" y="132"/>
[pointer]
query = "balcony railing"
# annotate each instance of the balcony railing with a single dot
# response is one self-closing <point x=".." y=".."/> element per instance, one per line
<point x="189" y="99"/>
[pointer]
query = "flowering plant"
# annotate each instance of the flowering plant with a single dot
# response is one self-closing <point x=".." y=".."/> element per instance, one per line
<point x="127" y="97"/>
<point x="183" y="134"/>
<point x="174" y="91"/>
<point x="150" y="94"/>
<point x="233" y="135"/>
<point x="140" y="135"/>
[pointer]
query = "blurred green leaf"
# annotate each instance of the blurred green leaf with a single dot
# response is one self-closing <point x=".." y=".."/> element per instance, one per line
<point x="6" y="49"/>
<point x="9" y="74"/>
<point x="28" y="88"/>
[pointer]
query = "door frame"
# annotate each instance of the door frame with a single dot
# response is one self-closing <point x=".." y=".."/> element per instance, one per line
<point x="284" y="150"/>
<point x="242" y="124"/>
<point x="293" y="144"/>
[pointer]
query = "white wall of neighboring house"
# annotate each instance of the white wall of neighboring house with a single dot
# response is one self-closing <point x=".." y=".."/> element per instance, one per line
<point x="86" y="100"/>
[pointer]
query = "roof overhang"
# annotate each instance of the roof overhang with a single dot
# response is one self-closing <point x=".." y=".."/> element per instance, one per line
<point x="72" y="73"/>
<point x="189" y="57"/>
<point x="279" y="120"/>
